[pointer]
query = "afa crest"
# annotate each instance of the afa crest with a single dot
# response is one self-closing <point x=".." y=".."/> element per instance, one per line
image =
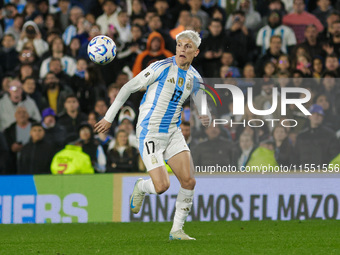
<point x="188" y="85"/>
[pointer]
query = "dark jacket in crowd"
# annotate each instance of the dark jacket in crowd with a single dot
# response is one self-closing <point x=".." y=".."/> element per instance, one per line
<point x="36" y="158"/>
<point x="242" y="46"/>
<point x="218" y="43"/>
<point x="88" y="94"/>
<point x="316" y="146"/>
<point x="4" y="152"/>
<point x="284" y="154"/>
<point x="70" y="125"/>
<point x="9" y="60"/>
<point x="127" y="163"/>
<point x="56" y="136"/>
<point x="214" y="152"/>
<point x="259" y="67"/>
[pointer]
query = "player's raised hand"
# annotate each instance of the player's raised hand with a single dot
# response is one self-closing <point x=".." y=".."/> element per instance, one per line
<point x="102" y="126"/>
<point x="205" y="120"/>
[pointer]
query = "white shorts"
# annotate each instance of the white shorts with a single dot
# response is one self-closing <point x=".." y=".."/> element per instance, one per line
<point x="154" y="148"/>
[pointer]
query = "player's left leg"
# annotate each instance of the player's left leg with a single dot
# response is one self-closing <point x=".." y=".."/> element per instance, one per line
<point x="182" y="166"/>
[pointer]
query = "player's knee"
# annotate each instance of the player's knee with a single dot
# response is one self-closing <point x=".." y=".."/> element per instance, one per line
<point x="162" y="187"/>
<point x="189" y="183"/>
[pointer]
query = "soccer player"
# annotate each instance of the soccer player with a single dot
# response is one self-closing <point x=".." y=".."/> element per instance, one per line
<point x="169" y="83"/>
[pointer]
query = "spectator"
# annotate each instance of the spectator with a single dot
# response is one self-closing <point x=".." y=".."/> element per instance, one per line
<point x="317" y="67"/>
<point x="155" y="25"/>
<point x="54" y="93"/>
<point x="110" y="15"/>
<point x="323" y="10"/>
<point x="10" y="12"/>
<point x="15" y="30"/>
<point x="36" y="156"/>
<point x="90" y="89"/>
<point x="185" y="128"/>
<point x="334" y="43"/>
<point x="252" y="17"/>
<point x="4" y="155"/>
<point x="195" y="9"/>
<point x="50" y="25"/>
<point x="248" y="74"/>
<point x="8" y="54"/>
<point x="63" y="16"/>
<point x="31" y="89"/>
<point x="17" y="135"/>
<point x="329" y="87"/>
<point x="330" y="119"/>
<point x="283" y="148"/>
<point x="196" y="23"/>
<point x="264" y="101"/>
<point x="246" y="144"/>
<point x="263" y="156"/>
<point x="104" y="139"/>
<point x="176" y="8"/>
<point x="212" y="48"/>
<point x="269" y="69"/>
<point x="71" y="118"/>
<point x="54" y="133"/>
<point x="58" y="50"/>
<point x="123" y="27"/>
<point x="300" y="19"/>
<point x="80" y="71"/>
<point x="83" y="29"/>
<point x="283" y="63"/>
<point x="326" y="34"/>
<point x="214" y="151"/>
<point x="240" y="39"/>
<point x="94" y="31"/>
<point x="125" y="123"/>
<point x="73" y="49"/>
<point x="272" y="54"/>
<point x="122" y="157"/>
<point x="162" y="7"/>
<point x="332" y="64"/>
<point x="100" y="107"/>
<point x="31" y="33"/>
<point x="92" y="147"/>
<point x="43" y="8"/>
<point x="275" y="27"/>
<point x="316" y="144"/>
<point x="71" y="31"/>
<point x="216" y="12"/>
<point x="71" y="160"/>
<point x="25" y="71"/>
<point x="129" y="53"/>
<point x="304" y="64"/>
<point x="27" y="56"/>
<point x="155" y="50"/>
<point x="227" y="60"/>
<point x="184" y="20"/>
<point x="10" y="101"/>
<point x="276" y="5"/>
<point x="311" y="44"/>
<point x="136" y="9"/>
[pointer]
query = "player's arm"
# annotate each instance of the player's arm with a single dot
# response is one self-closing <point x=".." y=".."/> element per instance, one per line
<point x="144" y="78"/>
<point x="200" y="99"/>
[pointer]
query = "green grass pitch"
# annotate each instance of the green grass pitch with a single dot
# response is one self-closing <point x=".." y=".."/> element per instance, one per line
<point x="252" y="237"/>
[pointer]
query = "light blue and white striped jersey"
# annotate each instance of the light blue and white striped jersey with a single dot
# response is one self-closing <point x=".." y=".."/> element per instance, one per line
<point x="167" y="87"/>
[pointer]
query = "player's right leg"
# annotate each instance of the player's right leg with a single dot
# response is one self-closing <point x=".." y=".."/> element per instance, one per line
<point x="157" y="184"/>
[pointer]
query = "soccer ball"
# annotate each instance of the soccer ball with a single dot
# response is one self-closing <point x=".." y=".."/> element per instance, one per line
<point x="101" y="50"/>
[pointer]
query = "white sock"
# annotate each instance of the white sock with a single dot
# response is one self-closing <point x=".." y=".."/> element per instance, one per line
<point x="147" y="186"/>
<point x="183" y="207"/>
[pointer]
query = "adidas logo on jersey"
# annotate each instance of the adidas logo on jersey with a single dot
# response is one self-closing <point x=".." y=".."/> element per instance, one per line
<point x="171" y="80"/>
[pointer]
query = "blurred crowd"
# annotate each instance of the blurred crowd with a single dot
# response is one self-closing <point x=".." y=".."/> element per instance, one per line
<point x="52" y="95"/>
